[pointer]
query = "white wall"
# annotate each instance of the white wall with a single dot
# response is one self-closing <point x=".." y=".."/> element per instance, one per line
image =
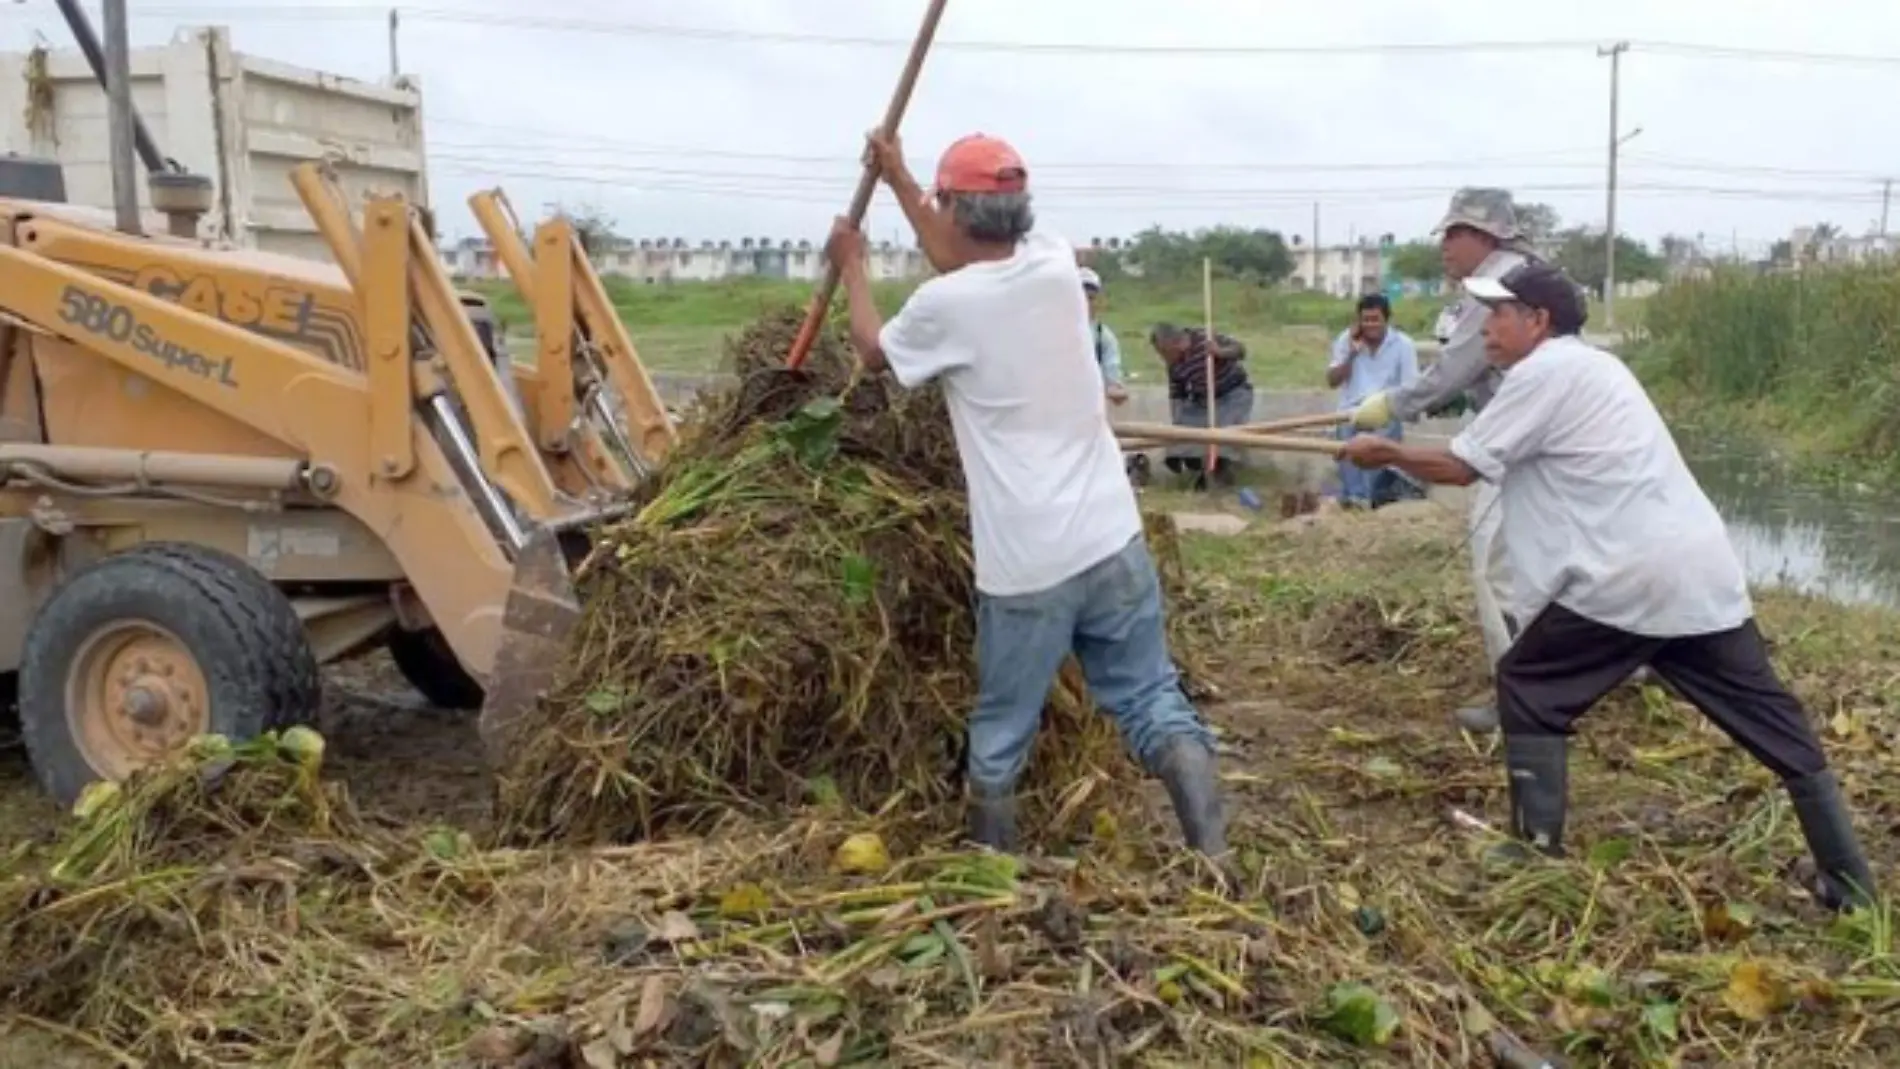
<point x="242" y="121"/>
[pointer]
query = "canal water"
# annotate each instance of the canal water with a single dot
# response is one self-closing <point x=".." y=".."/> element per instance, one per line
<point x="1841" y="543"/>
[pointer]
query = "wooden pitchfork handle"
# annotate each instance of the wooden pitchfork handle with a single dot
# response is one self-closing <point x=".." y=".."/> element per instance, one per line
<point x="1326" y="420"/>
<point x="867" y="183"/>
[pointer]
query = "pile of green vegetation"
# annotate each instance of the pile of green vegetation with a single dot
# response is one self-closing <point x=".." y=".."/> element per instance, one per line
<point x="789" y="613"/>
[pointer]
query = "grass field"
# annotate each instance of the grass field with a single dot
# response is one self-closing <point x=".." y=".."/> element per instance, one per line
<point x="683" y="327"/>
<point x="1805" y="360"/>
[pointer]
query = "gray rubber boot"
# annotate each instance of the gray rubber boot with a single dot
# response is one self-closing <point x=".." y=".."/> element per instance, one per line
<point x="993" y="818"/>
<point x="1189" y="771"/>
<point x="1843" y="881"/>
<point x="1478" y="718"/>
<point x="1539" y="769"/>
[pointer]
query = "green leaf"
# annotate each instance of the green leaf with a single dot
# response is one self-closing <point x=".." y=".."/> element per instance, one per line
<point x="812" y="432"/>
<point x="1383" y="768"/>
<point x="860" y="579"/>
<point x="990" y="871"/>
<point x="442" y="844"/>
<point x="1610" y="853"/>
<point x="823" y="790"/>
<point x="922" y="950"/>
<point x="1661" y="1018"/>
<point x="1357" y="1014"/>
<point x="1369" y="920"/>
<point x="605" y="701"/>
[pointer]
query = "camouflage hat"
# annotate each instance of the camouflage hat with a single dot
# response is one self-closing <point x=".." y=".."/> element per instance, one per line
<point x="1489" y="210"/>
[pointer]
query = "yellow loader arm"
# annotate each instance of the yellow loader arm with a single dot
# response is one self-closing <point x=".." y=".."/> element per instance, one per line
<point x="580" y="342"/>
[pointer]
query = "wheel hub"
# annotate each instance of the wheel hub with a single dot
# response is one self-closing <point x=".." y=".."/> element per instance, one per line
<point x="135" y="694"/>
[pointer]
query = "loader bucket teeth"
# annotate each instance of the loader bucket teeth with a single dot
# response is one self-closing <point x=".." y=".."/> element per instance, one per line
<point x="542" y="609"/>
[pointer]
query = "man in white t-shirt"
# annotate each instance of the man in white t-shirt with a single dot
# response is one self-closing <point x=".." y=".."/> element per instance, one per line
<point x="1617" y="559"/>
<point x="1061" y="562"/>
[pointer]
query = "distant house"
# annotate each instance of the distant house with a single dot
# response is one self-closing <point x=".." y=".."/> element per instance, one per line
<point x="1825" y="245"/>
<point x="1347" y="270"/>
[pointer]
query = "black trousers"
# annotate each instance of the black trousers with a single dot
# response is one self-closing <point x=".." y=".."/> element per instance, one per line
<point x="1563" y="663"/>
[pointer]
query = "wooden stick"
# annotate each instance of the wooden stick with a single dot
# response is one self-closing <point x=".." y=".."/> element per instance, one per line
<point x="1271" y="426"/>
<point x="1207" y="309"/>
<point x="867" y="183"/>
<point x="1161" y="432"/>
<point x="1298" y="423"/>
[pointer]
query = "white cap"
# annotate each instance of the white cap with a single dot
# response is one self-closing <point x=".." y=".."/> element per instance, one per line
<point x="1488" y="290"/>
<point x="1090" y="280"/>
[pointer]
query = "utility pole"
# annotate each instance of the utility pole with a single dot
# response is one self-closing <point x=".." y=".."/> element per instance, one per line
<point x="1615" y="52"/>
<point x="1315" y="278"/>
<point x="118" y="49"/>
<point x="395" y="64"/>
<point x="1352" y="258"/>
<point x="1886" y="199"/>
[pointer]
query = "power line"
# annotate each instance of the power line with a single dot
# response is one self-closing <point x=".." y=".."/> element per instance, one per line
<point x="712" y="33"/>
<point x="1679" y="163"/>
<point x="775" y="187"/>
<point x="849" y="164"/>
<point x="840" y="171"/>
<point x="708" y="33"/>
<point x="597" y="145"/>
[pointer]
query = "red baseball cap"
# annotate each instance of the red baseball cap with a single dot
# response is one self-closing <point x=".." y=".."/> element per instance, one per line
<point x="978" y="163"/>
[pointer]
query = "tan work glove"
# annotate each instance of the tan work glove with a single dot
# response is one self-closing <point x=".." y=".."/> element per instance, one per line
<point x="1373" y="413"/>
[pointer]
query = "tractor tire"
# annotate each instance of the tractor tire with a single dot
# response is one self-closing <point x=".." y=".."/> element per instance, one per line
<point x="137" y="652"/>
<point x="426" y="661"/>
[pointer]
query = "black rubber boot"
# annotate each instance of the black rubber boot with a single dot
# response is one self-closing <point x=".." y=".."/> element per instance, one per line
<point x="1539" y="769"/>
<point x="1843" y="880"/>
<point x="993" y="819"/>
<point x="1193" y="780"/>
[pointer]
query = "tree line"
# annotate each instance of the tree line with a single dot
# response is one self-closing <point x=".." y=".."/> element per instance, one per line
<point x="1270" y="257"/>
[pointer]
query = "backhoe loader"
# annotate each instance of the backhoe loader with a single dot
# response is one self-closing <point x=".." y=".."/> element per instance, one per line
<point x="221" y="468"/>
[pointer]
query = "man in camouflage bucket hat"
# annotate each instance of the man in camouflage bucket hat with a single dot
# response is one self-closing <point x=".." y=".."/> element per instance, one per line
<point x="1478" y="238"/>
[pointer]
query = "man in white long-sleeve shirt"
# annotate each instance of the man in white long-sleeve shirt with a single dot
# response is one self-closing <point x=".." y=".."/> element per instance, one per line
<point x="1618" y="559"/>
<point x="1479" y="238"/>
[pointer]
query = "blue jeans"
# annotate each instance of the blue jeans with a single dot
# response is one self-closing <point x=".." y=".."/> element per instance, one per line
<point x="1356" y="483"/>
<point x="1110" y="617"/>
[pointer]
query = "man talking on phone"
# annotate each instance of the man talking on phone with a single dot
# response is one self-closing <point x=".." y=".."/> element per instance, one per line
<point x="1368" y="358"/>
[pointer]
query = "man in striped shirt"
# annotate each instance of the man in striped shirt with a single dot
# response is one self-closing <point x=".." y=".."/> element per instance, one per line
<point x="1184" y="351"/>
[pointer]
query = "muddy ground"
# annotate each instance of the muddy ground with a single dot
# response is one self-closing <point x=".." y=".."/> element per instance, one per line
<point x="404" y="760"/>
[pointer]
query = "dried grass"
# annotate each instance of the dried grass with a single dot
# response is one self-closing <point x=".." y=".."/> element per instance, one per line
<point x="253" y="917"/>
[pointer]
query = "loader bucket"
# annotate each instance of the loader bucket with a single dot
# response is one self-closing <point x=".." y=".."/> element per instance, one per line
<point x="542" y="609"/>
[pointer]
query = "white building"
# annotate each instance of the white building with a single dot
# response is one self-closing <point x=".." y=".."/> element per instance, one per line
<point x="242" y="121"/>
<point x="1347" y="270"/>
<point x="1810" y="246"/>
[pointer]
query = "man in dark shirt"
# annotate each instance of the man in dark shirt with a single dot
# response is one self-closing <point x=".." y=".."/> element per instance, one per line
<point x="1184" y="351"/>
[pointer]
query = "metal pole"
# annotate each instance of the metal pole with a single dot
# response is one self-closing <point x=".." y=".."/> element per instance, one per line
<point x="1316" y="264"/>
<point x="1615" y="52"/>
<point x="1207" y="314"/>
<point x="395" y="64"/>
<point x="1886" y="198"/>
<point x="89" y="44"/>
<point x="125" y="190"/>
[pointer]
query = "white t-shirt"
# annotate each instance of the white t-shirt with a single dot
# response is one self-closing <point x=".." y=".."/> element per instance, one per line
<point x="1601" y="514"/>
<point x="1010" y="340"/>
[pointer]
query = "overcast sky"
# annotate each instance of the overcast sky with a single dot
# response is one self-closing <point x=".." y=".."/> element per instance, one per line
<point x="722" y="137"/>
